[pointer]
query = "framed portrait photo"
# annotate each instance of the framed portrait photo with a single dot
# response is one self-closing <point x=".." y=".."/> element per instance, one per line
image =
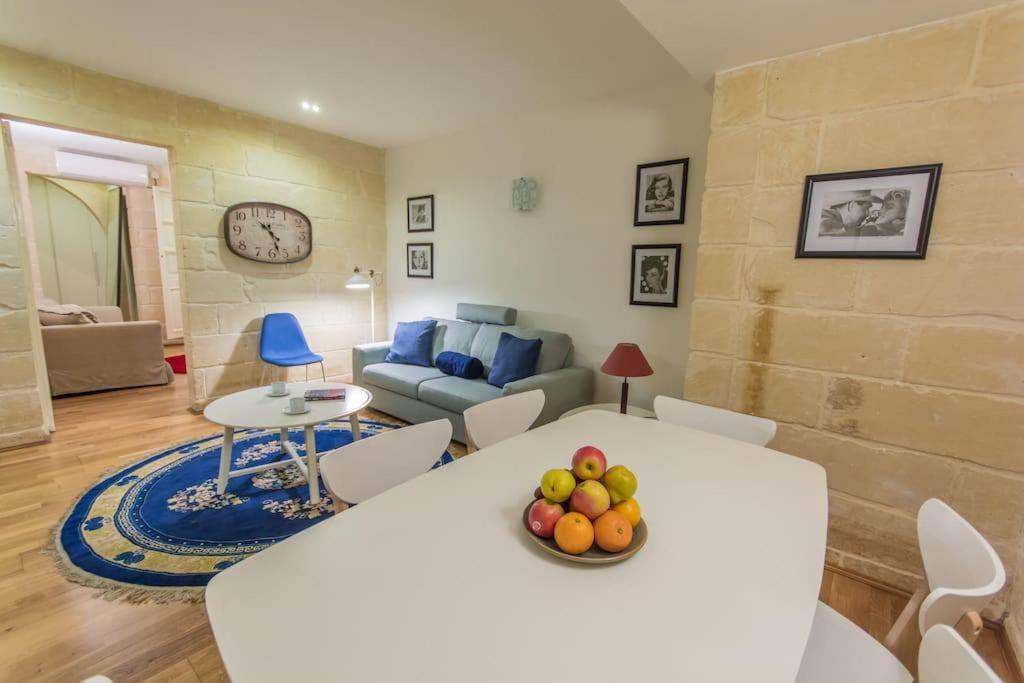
<point x="419" y="260"/>
<point x="885" y="213"/>
<point x="419" y="214"/>
<point x="661" y="193"/>
<point x="654" y="276"/>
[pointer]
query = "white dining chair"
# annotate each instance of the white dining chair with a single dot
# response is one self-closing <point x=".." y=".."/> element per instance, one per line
<point x="750" y="428"/>
<point x="364" y="468"/>
<point x="839" y="651"/>
<point x="498" y="419"/>
<point x="947" y="658"/>
<point x="962" y="574"/>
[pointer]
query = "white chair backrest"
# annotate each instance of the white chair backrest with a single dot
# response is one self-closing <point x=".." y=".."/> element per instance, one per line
<point x="501" y="418"/>
<point x="962" y="569"/>
<point x="945" y="657"/>
<point x="752" y="429"/>
<point x="374" y="464"/>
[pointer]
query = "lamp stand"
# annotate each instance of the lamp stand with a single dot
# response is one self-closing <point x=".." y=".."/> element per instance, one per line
<point x="372" y="309"/>
<point x="625" y="395"/>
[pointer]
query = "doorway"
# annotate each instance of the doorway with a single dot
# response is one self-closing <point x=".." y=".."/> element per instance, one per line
<point x="98" y="222"/>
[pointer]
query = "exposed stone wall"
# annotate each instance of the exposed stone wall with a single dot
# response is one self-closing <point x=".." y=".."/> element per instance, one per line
<point x="904" y="379"/>
<point x="219" y="157"/>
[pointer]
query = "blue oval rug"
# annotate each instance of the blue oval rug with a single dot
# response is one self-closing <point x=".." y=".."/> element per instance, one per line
<point x="157" y="531"/>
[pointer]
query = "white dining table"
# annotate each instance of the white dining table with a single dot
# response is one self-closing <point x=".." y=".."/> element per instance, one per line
<point x="436" y="580"/>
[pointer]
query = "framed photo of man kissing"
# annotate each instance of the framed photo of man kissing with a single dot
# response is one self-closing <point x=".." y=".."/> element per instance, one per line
<point x="885" y="213"/>
<point x="661" y="193"/>
<point x="654" y="275"/>
<point x="419" y="213"/>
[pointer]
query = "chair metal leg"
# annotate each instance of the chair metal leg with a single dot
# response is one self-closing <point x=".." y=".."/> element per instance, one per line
<point x="263" y="372"/>
<point x="307" y="373"/>
<point x="323" y="372"/>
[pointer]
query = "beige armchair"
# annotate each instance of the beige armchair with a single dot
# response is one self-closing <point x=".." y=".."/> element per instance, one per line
<point x="110" y="354"/>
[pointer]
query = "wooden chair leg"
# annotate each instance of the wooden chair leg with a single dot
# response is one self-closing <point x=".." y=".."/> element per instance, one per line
<point x="969" y="627"/>
<point x="904" y="638"/>
<point x="339" y="505"/>
<point x="470" y="446"/>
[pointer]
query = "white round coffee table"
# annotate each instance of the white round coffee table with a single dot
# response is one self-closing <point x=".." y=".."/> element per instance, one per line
<point x="256" y="408"/>
<point x="608" y="407"/>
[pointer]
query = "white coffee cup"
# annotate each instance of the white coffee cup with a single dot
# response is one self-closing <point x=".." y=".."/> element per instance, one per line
<point x="279" y="389"/>
<point x="297" y="404"/>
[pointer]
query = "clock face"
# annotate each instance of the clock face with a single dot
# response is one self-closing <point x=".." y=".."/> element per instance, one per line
<point x="269" y="233"/>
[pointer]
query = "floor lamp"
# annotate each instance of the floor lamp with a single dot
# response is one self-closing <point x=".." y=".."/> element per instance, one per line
<point x="360" y="281"/>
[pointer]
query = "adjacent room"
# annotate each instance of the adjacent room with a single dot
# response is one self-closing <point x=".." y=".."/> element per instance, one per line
<point x="595" y="340"/>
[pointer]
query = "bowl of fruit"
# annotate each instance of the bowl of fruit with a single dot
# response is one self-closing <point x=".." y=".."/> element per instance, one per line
<point x="587" y="513"/>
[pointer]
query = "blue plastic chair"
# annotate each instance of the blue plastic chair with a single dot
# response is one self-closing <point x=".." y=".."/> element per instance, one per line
<point x="283" y="344"/>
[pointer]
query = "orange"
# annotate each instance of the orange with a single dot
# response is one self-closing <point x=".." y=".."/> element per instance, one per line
<point x="612" y="532"/>
<point x="630" y="509"/>
<point x="574" y="533"/>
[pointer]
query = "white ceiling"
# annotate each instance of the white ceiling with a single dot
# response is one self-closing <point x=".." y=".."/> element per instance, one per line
<point x="707" y="36"/>
<point x="391" y="72"/>
<point x="94" y="145"/>
<point x="385" y="72"/>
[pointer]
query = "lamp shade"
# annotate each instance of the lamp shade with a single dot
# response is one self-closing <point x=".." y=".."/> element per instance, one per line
<point x="357" y="281"/>
<point x="626" y="360"/>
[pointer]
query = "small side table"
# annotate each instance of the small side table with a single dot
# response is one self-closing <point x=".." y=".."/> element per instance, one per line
<point x="611" y="408"/>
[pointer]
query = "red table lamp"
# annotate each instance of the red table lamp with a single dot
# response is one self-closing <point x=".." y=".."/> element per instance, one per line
<point x="626" y="360"/>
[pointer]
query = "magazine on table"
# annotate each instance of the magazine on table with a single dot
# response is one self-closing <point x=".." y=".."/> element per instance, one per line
<point x="325" y="394"/>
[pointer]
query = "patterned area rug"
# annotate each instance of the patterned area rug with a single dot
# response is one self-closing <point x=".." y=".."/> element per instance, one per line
<point x="157" y="531"/>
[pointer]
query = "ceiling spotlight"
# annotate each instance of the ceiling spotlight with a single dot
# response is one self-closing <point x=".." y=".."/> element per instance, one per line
<point x="306" y="106"/>
<point x="316" y="108"/>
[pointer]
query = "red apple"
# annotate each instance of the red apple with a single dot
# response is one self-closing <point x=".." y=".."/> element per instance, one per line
<point x="589" y="463"/>
<point x="543" y="516"/>
<point x="590" y="499"/>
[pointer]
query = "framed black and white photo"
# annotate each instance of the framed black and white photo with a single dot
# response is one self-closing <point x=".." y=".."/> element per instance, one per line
<point x="661" y="193"/>
<point x="420" y="260"/>
<point x="885" y="213"/>
<point x="420" y="213"/>
<point x="654" y="276"/>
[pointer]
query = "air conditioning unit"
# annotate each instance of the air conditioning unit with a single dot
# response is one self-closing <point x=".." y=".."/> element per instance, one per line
<point x="101" y="169"/>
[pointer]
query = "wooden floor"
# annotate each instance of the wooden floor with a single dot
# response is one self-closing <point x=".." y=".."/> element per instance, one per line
<point x="53" y="630"/>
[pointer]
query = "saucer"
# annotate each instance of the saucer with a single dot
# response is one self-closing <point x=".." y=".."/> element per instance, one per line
<point x="289" y="411"/>
<point x="273" y="395"/>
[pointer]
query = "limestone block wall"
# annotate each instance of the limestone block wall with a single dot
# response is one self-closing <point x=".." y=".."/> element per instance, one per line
<point x="904" y="379"/>
<point x="219" y="157"/>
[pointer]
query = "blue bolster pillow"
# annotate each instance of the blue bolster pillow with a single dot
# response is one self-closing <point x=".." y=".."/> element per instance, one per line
<point x="459" y="364"/>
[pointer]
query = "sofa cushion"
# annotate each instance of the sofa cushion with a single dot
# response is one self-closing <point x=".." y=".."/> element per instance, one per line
<point x="453" y="335"/>
<point x="554" y="352"/>
<point x="480" y="313"/>
<point x="457" y="394"/>
<point x="412" y="343"/>
<point x="401" y="379"/>
<point x="515" y="359"/>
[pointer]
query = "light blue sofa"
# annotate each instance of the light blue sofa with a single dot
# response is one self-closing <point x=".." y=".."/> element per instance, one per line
<point x="418" y="394"/>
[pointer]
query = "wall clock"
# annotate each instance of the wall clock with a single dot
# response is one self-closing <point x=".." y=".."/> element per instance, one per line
<point x="267" y="232"/>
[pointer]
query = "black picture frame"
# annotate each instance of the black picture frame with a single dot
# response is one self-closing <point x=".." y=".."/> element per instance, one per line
<point x="408" y="259"/>
<point x="635" y="255"/>
<point x="932" y="171"/>
<point x="427" y="198"/>
<point x="638" y="217"/>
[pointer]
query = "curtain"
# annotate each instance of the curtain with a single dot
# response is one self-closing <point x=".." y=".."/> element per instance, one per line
<point x="126" y="298"/>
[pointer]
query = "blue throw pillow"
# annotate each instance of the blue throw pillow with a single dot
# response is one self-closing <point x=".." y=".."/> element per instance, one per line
<point x="459" y="364"/>
<point x="515" y="359"/>
<point x="412" y="343"/>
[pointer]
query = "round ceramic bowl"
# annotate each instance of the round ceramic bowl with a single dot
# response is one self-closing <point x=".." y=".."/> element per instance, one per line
<point x="593" y="556"/>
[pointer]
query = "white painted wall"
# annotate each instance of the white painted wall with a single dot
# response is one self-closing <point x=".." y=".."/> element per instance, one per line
<point x="566" y="264"/>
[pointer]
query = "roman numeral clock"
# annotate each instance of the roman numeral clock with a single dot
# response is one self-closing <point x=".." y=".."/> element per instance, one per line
<point x="267" y="232"/>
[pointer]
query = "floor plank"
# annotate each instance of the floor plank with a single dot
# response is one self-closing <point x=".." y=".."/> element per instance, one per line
<point x="53" y="630"/>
